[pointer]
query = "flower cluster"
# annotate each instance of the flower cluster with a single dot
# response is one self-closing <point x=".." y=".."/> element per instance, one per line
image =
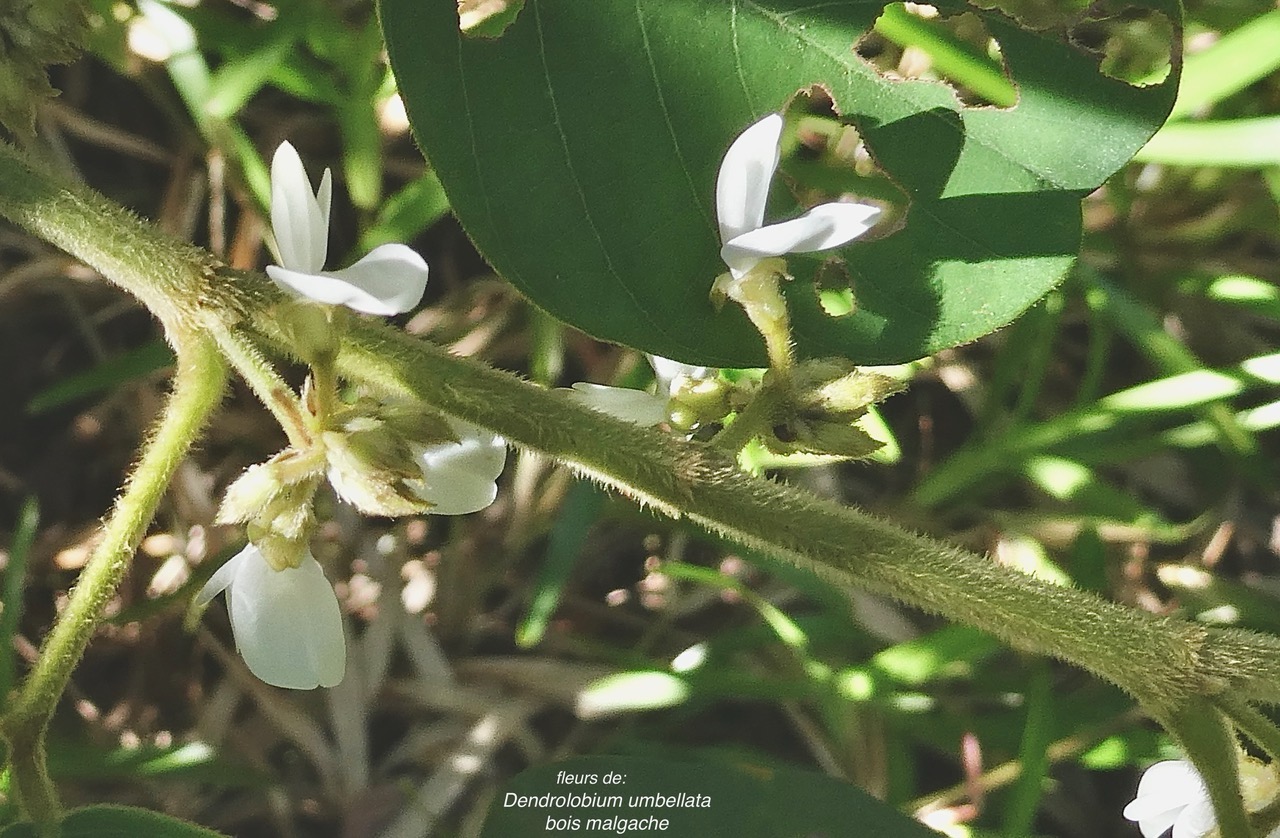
<point x="821" y="403"/>
<point x="385" y="459"/>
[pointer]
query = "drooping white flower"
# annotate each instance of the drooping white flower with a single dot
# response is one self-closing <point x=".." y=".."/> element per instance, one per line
<point x="287" y="623"/>
<point x="742" y="190"/>
<point x="638" y="406"/>
<point x="389" y="280"/>
<point x="461" y="477"/>
<point x="1172" y="794"/>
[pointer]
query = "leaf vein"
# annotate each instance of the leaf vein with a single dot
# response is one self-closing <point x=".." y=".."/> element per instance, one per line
<point x="582" y="195"/>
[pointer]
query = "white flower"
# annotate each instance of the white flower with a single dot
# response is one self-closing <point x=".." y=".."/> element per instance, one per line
<point x="1172" y="794"/>
<point x="637" y="406"/>
<point x="742" y="189"/>
<point x="461" y="477"/>
<point x="389" y="280"/>
<point x="286" y="623"/>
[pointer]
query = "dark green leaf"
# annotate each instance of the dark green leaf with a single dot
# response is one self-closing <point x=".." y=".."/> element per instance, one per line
<point x="580" y="151"/>
<point x="751" y="801"/>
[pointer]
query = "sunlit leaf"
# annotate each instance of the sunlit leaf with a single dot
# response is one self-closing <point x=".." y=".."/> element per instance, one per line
<point x="580" y="147"/>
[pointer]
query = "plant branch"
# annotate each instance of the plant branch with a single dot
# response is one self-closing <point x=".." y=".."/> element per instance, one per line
<point x="1167" y="664"/>
<point x="272" y="390"/>
<point x="1206" y="737"/>
<point x="1162" y="661"/>
<point x="197" y="389"/>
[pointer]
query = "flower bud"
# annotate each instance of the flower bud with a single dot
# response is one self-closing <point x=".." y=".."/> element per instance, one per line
<point x="840" y="439"/>
<point x="279" y="552"/>
<point x="369" y="470"/>
<point x="261" y="485"/>
<point x="822" y="400"/>
<point x="698" y="401"/>
<point x="850" y="395"/>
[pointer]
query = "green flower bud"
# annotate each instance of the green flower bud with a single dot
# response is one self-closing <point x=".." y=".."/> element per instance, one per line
<point x="36" y="33"/>
<point x="262" y="485"/>
<point x="820" y="402"/>
<point x="698" y="401"/>
<point x="370" y="470"/>
<point x="850" y="395"/>
<point x="839" y="439"/>
<point x="279" y="552"/>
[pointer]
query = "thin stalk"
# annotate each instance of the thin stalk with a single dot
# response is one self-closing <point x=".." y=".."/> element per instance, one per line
<point x="1207" y="739"/>
<point x="272" y="390"/>
<point x="1252" y="723"/>
<point x="197" y="389"/>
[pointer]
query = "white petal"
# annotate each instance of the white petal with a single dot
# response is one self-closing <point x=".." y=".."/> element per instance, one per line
<point x="1173" y="779"/>
<point x="287" y="623"/>
<point x="622" y="403"/>
<point x="324" y="198"/>
<point x="1196" y="821"/>
<point x="390" y="280"/>
<point x="1157" y="825"/>
<point x="301" y="228"/>
<point x="821" y="228"/>
<point x="668" y="371"/>
<point x="461" y="477"/>
<point x="742" y="185"/>
<point x="223" y="576"/>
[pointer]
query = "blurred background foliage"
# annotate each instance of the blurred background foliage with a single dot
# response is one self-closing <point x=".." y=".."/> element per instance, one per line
<point x="1119" y="437"/>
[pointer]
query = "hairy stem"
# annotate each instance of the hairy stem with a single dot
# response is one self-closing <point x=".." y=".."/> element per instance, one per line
<point x="197" y="389"/>
<point x="1207" y="739"/>
<point x="173" y="279"/>
<point x="272" y="390"/>
<point x="1167" y="664"/>
<point x="1161" y="661"/>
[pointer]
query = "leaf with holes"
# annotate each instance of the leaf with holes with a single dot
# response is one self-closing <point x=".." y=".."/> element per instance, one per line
<point x="579" y="149"/>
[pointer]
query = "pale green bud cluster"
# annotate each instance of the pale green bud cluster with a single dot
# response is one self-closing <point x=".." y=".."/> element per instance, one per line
<point x="700" y="401"/>
<point x="821" y="402"/>
<point x="273" y="501"/>
<point x="372" y="459"/>
<point x="34" y="34"/>
<point x="369" y="452"/>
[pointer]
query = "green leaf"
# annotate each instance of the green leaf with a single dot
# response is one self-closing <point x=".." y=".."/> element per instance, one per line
<point x="15" y="572"/>
<point x="695" y="798"/>
<point x="580" y="148"/>
<point x="419" y="204"/>
<point x="116" y="822"/>
<point x="236" y="82"/>
<point x="581" y="508"/>
<point x="190" y="761"/>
